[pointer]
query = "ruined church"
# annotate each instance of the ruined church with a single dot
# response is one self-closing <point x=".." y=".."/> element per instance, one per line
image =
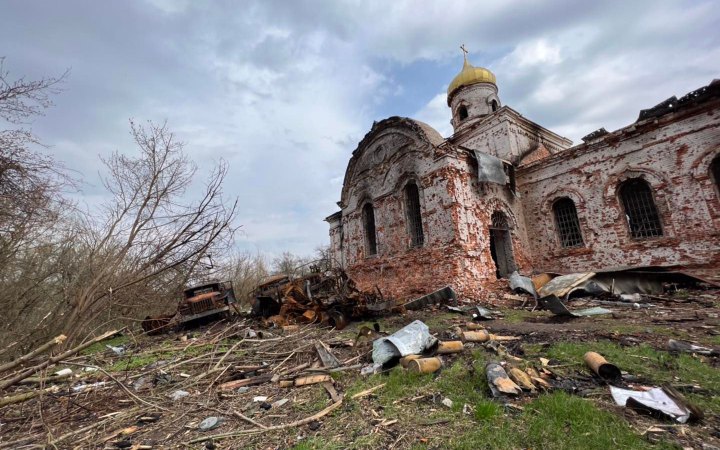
<point x="503" y="193"/>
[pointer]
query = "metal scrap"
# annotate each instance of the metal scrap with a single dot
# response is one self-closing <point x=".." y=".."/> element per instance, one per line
<point x="519" y="283"/>
<point x="329" y="298"/>
<point x="443" y="295"/>
<point x="499" y="381"/>
<point x="556" y="306"/>
<point x="409" y="340"/>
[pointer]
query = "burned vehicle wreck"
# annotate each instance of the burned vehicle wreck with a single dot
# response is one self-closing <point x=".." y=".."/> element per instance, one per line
<point x="330" y="298"/>
<point x="208" y="301"/>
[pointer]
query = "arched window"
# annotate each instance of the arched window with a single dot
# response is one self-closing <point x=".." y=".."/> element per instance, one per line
<point x="640" y="210"/>
<point x="462" y="112"/>
<point x="494" y="105"/>
<point x="369" y="222"/>
<point x="715" y="172"/>
<point x="568" y="225"/>
<point x="412" y="208"/>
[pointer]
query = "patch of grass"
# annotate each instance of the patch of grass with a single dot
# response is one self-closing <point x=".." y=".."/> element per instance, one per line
<point x="318" y="400"/>
<point x="486" y="410"/>
<point x="441" y="320"/>
<point x="559" y="420"/>
<point x="462" y="383"/>
<point x="657" y="366"/>
<point x="517" y="315"/>
<point x="98" y="347"/>
<point x="554" y="421"/>
<point x="399" y="383"/>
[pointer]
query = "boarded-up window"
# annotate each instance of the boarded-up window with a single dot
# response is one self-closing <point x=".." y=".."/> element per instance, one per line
<point x="640" y="210"/>
<point x="369" y="220"/>
<point x="567" y="222"/>
<point x="412" y="206"/>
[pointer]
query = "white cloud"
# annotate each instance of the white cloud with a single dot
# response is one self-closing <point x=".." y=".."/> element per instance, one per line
<point x="436" y="113"/>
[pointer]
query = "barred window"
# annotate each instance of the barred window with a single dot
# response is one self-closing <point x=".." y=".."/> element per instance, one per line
<point x="370" y="238"/>
<point x="640" y="210"/>
<point x="567" y="222"/>
<point x="412" y="207"/>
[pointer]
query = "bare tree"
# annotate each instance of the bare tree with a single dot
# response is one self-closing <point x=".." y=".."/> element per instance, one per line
<point x="246" y="270"/>
<point x="147" y="229"/>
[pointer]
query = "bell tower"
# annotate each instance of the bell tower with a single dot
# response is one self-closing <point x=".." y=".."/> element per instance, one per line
<point x="472" y="94"/>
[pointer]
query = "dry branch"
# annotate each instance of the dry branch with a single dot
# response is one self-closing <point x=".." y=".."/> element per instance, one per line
<point x="54" y="360"/>
<point x="43" y="348"/>
<point x="297" y="423"/>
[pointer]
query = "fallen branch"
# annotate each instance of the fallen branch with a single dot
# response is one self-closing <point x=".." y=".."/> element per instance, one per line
<point x="43" y="348"/>
<point x="367" y="391"/>
<point x="124" y="388"/>
<point x="297" y="423"/>
<point x="25" y="396"/>
<point x="54" y="360"/>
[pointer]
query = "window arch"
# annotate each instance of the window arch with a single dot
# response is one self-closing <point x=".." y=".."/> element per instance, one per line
<point x="494" y="105"/>
<point x="462" y="112"/>
<point x="412" y="208"/>
<point x="369" y="225"/>
<point x="568" y="225"/>
<point x="715" y="173"/>
<point x="640" y="210"/>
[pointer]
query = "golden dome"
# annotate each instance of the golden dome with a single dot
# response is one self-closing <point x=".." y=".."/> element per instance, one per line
<point x="470" y="75"/>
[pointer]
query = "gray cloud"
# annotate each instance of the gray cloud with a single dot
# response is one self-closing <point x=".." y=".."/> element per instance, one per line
<point x="285" y="90"/>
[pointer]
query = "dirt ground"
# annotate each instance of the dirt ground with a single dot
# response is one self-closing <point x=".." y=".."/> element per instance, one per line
<point x="131" y="405"/>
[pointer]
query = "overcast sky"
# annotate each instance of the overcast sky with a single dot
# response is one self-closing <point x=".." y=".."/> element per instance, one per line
<point x="284" y="90"/>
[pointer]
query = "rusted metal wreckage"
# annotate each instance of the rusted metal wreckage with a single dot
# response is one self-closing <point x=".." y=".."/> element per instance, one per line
<point x="204" y="301"/>
<point x="329" y="298"/>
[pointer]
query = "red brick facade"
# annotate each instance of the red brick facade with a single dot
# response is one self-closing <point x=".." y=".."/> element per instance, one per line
<point x="671" y="151"/>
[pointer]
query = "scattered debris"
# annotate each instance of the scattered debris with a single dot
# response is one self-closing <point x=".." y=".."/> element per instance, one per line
<point x="556" y="306"/>
<point x="601" y="367"/>
<point x="521" y="378"/>
<point x="329" y="298"/>
<point x="444" y="295"/>
<point x="480" y="313"/>
<point x="447" y="347"/>
<point x="476" y="336"/>
<point x="447" y="402"/>
<point x="655" y="401"/>
<point x="519" y="283"/>
<point x="210" y="423"/>
<point x="326" y="356"/>
<point x="177" y="395"/>
<point x="499" y="381"/>
<point x="409" y="340"/>
<point x="688" y="347"/>
<point x="425" y="365"/>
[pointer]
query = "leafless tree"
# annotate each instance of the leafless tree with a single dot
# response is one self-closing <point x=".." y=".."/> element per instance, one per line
<point x="246" y="270"/>
<point x="148" y="230"/>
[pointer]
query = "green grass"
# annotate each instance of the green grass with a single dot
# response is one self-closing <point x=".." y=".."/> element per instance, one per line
<point x="553" y="421"/>
<point x="656" y="366"/>
<point x="137" y="361"/>
<point x="441" y="320"/>
<point x="101" y="346"/>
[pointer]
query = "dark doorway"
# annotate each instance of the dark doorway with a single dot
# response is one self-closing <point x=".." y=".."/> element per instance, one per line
<point x="501" y="245"/>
